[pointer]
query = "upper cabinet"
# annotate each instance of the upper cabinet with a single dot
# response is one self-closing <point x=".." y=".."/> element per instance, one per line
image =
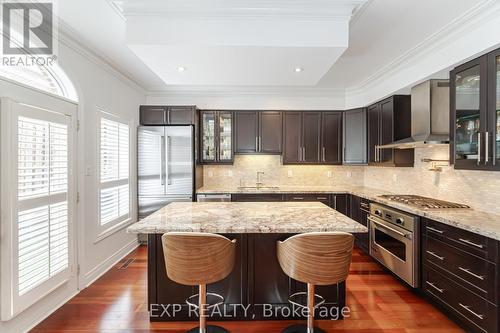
<point x="312" y="137"/>
<point x="216" y="137"/>
<point x="167" y="115"/>
<point x="355" y="140"/>
<point x="388" y="121"/>
<point x="475" y="114"/>
<point x="258" y="132"/>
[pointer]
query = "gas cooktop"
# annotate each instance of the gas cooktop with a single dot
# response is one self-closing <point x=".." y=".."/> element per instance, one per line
<point x="423" y="202"/>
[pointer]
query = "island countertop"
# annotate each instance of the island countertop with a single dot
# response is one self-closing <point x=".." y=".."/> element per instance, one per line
<point x="246" y="217"/>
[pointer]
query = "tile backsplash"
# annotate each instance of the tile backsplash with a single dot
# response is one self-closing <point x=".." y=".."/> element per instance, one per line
<point x="245" y="168"/>
<point x="479" y="189"/>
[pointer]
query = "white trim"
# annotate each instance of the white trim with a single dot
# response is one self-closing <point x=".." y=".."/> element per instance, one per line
<point x="23" y="85"/>
<point x="114" y="228"/>
<point x="67" y="37"/>
<point x="96" y="272"/>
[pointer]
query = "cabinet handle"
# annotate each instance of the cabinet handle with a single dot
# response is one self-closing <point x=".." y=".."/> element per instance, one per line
<point x="466" y="241"/>
<point x="298" y="198"/>
<point x="260" y="143"/>
<point x="466" y="307"/>
<point x="323" y="152"/>
<point x="256" y="143"/>
<point x="303" y="153"/>
<point x="434" y="286"/>
<point x="487" y="148"/>
<point x="376" y="153"/>
<point x="321" y="198"/>
<point x="435" y="255"/>
<point x="478" y="148"/>
<point x="435" y="230"/>
<point x="468" y="271"/>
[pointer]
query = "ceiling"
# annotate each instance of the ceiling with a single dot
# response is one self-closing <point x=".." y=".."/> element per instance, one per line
<point x="337" y="43"/>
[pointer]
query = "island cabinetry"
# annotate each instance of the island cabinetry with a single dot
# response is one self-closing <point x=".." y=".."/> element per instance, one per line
<point x="257" y="282"/>
<point x="460" y="273"/>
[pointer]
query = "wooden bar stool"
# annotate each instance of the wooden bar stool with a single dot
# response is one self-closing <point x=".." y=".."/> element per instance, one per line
<point x="316" y="258"/>
<point x="198" y="259"/>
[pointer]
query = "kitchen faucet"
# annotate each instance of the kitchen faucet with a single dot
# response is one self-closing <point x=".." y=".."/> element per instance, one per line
<point x="259" y="178"/>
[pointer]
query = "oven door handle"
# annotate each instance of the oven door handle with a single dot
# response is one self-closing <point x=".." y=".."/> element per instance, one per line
<point x="388" y="228"/>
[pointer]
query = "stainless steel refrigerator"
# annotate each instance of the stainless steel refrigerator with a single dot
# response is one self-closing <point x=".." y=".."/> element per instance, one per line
<point x="165" y="169"/>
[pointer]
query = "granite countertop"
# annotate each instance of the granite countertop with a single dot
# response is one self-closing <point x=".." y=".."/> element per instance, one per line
<point x="480" y="222"/>
<point x="246" y="217"/>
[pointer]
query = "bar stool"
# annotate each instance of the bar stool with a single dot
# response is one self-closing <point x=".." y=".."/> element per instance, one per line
<point x="316" y="258"/>
<point x="198" y="259"/>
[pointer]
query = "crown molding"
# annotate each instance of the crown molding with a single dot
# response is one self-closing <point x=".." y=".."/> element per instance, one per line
<point x="67" y="37"/>
<point x="478" y="14"/>
<point x="189" y="91"/>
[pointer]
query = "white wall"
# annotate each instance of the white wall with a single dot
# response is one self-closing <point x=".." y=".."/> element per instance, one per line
<point x="97" y="84"/>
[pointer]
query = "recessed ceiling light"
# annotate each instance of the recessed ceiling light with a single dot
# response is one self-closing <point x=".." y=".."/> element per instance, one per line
<point x="298" y="69"/>
<point x="181" y="68"/>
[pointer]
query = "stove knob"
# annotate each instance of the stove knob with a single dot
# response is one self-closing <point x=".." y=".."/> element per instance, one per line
<point x="378" y="212"/>
<point x="400" y="221"/>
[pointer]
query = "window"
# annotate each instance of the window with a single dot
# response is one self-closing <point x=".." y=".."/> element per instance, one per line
<point x="43" y="207"/>
<point x="52" y="80"/>
<point x="38" y="198"/>
<point x="114" y="197"/>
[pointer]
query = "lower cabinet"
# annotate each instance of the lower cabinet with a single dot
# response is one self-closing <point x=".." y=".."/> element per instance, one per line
<point x="360" y="209"/>
<point x="460" y="273"/>
<point x="270" y="197"/>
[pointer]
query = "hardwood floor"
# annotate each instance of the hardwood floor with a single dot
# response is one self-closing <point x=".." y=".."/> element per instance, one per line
<point x="117" y="303"/>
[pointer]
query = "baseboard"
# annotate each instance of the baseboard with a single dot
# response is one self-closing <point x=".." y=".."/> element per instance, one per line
<point x="96" y="272"/>
<point x="49" y="312"/>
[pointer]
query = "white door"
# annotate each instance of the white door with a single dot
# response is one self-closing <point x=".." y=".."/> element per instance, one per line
<point x="38" y="171"/>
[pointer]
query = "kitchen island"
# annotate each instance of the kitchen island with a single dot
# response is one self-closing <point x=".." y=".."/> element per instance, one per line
<point x="257" y="288"/>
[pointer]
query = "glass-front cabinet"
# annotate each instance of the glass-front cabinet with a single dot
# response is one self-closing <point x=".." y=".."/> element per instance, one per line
<point x="475" y="113"/>
<point x="216" y="137"/>
<point x="494" y="107"/>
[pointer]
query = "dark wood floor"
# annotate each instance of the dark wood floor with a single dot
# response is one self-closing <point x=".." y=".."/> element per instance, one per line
<point x="117" y="303"/>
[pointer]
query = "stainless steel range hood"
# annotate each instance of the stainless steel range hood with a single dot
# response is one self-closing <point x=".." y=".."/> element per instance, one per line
<point x="430" y="116"/>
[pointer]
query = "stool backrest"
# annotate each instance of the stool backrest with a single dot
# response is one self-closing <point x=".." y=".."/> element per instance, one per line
<point x="319" y="258"/>
<point x="197" y="258"/>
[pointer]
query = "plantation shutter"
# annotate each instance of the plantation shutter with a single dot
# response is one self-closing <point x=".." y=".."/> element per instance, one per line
<point x="114" y="173"/>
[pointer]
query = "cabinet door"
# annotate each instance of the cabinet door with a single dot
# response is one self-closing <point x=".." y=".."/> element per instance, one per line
<point x="181" y="115"/>
<point x="386" y="129"/>
<point x="354" y="133"/>
<point x="341" y="203"/>
<point x="292" y="137"/>
<point x="270" y="132"/>
<point x="311" y="140"/>
<point x="373" y="132"/>
<point x="331" y="138"/>
<point x="208" y="137"/>
<point x="225" y="137"/>
<point x="494" y="109"/>
<point x="152" y="115"/>
<point x="245" y="131"/>
<point x="468" y="92"/>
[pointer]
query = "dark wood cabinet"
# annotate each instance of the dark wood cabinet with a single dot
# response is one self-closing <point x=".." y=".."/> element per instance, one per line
<point x="331" y="138"/>
<point x="355" y="140"/>
<point x="216" y="144"/>
<point x="258" y="132"/>
<point x="312" y="137"/>
<point x="246" y="132"/>
<point x="460" y="273"/>
<point x="475" y="114"/>
<point x="341" y="203"/>
<point x="270" y="132"/>
<point x="388" y="121"/>
<point x="311" y="197"/>
<point x="311" y="140"/>
<point x="261" y="197"/>
<point x="292" y="137"/>
<point x="167" y="115"/>
<point x="360" y="209"/>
